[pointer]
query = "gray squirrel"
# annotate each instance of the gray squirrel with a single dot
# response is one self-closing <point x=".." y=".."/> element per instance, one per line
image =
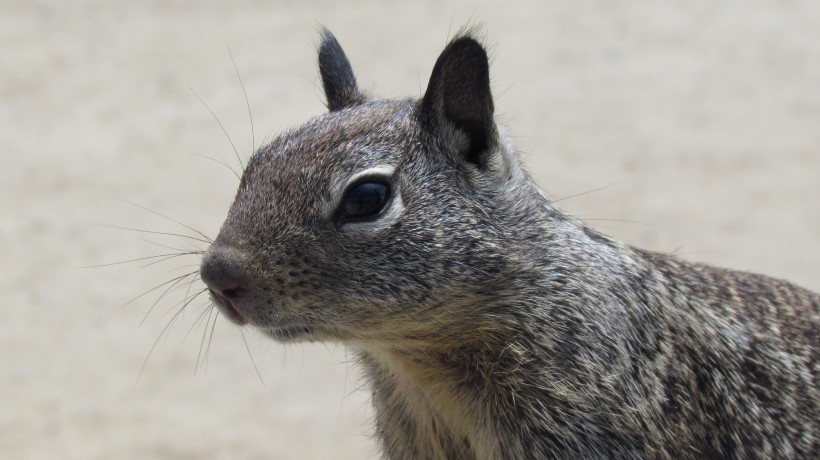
<point x="488" y="323"/>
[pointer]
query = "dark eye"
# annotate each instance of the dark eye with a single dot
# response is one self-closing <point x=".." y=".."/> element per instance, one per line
<point x="365" y="199"/>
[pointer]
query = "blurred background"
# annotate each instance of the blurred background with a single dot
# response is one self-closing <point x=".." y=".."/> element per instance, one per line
<point x="693" y="126"/>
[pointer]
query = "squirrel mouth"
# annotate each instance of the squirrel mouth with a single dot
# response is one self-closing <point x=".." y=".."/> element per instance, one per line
<point x="227" y="308"/>
<point x="288" y="332"/>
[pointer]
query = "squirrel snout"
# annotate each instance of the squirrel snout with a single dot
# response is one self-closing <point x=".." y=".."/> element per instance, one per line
<point x="222" y="271"/>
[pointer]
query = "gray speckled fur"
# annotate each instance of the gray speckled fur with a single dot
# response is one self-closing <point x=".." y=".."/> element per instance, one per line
<point x="490" y="324"/>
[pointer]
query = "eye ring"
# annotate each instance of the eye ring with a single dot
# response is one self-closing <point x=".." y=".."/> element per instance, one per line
<point x="365" y="199"/>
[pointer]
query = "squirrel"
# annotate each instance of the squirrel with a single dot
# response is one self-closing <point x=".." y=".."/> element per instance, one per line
<point x="488" y="323"/>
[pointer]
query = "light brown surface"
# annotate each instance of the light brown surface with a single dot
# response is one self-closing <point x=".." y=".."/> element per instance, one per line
<point x="702" y="119"/>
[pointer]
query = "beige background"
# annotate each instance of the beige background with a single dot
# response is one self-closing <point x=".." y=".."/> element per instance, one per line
<point x="701" y="119"/>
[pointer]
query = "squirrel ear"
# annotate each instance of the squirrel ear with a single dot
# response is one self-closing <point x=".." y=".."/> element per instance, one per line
<point x="337" y="76"/>
<point x="459" y="94"/>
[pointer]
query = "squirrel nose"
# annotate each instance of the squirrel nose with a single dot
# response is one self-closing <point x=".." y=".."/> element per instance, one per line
<point x="222" y="271"/>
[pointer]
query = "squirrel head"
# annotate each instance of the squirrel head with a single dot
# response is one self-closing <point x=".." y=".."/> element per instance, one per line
<point x="378" y="220"/>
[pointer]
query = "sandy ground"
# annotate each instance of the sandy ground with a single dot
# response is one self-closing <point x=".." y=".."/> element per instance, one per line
<point x="700" y="120"/>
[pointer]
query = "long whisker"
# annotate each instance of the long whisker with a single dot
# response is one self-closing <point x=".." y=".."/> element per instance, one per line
<point x="227" y="136"/>
<point x="210" y="340"/>
<point x="250" y="114"/>
<point x="208" y="307"/>
<point x="173" y="256"/>
<point x="138" y="259"/>
<point x="202" y="343"/>
<point x="258" y="374"/>
<point x="220" y="162"/>
<point x="172" y="248"/>
<point x="209" y="240"/>
<point x="585" y="193"/>
<point x="190" y="285"/>
<point x="185" y="300"/>
<point x="155" y="288"/>
<point x="179" y="282"/>
<point x="162" y="333"/>
<point x="621" y="221"/>
<point x="138" y="230"/>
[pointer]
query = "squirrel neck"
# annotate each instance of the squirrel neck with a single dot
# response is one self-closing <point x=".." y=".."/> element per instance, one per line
<point x="460" y="394"/>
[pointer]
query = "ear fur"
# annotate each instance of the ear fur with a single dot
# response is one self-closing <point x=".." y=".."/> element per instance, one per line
<point x="338" y="80"/>
<point x="459" y="95"/>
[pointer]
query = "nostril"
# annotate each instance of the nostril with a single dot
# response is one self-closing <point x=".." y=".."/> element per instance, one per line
<point x="223" y="271"/>
<point x="230" y="293"/>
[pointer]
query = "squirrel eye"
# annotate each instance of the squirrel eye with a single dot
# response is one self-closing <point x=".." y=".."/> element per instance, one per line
<point x="365" y="199"/>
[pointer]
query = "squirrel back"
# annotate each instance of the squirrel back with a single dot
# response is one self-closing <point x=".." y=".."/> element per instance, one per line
<point x="489" y="323"/>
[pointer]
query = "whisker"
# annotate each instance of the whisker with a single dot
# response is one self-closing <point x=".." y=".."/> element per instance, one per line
<point x="251" y="357"/>
<point x="190" y="285"/>
<point x="250" y="114"/>
<point x="173" y="248"/>
<point x="210" y="340"/>
<point x="162" y="333"/>
<point x="172" y="256"/>
<point x="187" y="266"/>
<point x="227" y="136"/>
<point x="585" y="193"/>
<point x="209" y="240"/>
<point x="185" y="299"/>
<point x="622" y="221"/>
<point x="208" y="307"/>
<point x="155" y="288"/>
<point x="202" y="343"/>
<point x="220" y="162"/>
<point x="344" y="387"/>
<point x="179" y="282"/>
<point x="190" y="296"/>
<point x="210" y="336"/>
<point x="138" y="259"/>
